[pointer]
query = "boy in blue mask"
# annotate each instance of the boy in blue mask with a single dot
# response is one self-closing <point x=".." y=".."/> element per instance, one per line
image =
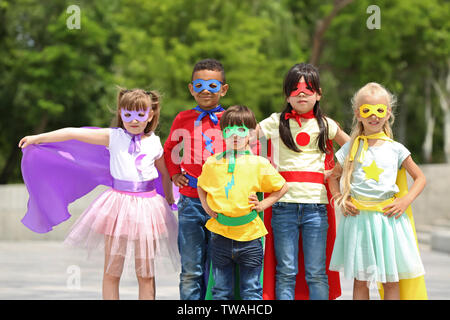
<point x="197" y="133"/>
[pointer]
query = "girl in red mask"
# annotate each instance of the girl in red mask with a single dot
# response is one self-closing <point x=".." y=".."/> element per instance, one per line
<point x="301" y="226"/>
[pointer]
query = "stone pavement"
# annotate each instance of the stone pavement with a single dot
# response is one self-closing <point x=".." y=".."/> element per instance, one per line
<point x="45" y="270"/>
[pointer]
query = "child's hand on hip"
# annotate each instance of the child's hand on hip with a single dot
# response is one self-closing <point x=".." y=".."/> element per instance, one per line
<point x="396" y="208"/>
<point x="210" y="212"/>
<point x="180" y="180"/>
<point x="253" y="199"/>
<point x="350" y="209"/>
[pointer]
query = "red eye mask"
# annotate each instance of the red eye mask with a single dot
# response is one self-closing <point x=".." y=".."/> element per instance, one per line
<point x="302" y="87"/>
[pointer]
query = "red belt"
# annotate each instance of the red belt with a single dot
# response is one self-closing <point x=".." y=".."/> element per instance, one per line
<point x="303" y="176"/>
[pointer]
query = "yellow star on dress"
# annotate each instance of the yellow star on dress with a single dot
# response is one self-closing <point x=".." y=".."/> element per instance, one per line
<point x="372" y="171"/>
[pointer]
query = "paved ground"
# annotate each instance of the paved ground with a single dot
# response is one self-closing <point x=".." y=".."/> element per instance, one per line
<point x="46" y="270"/>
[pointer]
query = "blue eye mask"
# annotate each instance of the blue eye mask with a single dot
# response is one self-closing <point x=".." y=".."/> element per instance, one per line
<point x="212" y="85"/>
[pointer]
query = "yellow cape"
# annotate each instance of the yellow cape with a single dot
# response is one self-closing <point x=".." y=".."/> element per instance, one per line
<point x="410" y="289"/>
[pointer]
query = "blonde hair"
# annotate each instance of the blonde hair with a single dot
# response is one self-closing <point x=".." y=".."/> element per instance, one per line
<point x="138" y="99"/>
<point x="371" y="89"/>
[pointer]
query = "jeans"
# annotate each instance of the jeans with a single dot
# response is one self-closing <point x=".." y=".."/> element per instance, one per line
<point x="193" y="242"/>
<point x="225" y="255"/>
<point x="288" y="221"/>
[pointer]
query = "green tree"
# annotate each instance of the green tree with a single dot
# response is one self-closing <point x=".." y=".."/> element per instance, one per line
<point x="52" y="76"/>
<point x="412" y="43"/>
<point x="159" y="47"/>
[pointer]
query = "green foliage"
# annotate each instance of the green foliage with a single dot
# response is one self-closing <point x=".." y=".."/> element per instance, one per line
<point x="54" y="77"/>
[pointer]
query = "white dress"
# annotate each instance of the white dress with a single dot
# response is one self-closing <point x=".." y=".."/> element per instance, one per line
<point x="129" y="225"/>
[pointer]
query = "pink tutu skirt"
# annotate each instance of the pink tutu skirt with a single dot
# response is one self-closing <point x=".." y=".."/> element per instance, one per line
<point x="129" y="226"/>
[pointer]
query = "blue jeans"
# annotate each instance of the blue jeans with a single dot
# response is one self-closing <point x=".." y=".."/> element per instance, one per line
<point x="225" y="255"/>
<point x="288" y="221"/>
<point x="193" y="242"/>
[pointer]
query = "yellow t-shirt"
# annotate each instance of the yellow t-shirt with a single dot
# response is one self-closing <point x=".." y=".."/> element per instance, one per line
<point x="310" y="159"/>
<point x="228" y="192"/>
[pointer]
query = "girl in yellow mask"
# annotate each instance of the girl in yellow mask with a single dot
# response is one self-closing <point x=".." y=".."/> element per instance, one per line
<point x="375" y="240"/>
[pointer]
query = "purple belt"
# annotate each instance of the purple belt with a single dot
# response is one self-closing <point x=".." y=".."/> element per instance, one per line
<point x="133" y="186"/>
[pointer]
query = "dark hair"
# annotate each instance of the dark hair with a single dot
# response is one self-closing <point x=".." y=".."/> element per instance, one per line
<point x="209" y="64"/>
<point x="138" y="99"/>
<point x="311" y="76"/>
<point x="237" y="116"/>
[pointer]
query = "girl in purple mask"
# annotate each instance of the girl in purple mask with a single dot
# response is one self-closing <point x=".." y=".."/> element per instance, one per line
<point x="131" y="220"/>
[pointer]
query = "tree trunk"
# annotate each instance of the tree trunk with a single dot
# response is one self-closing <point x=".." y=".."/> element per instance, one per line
<point x="443" y="92"/>
<point x="321" y="27"/>
<point x="401" y="119"/>
<point x="427" y="146"/>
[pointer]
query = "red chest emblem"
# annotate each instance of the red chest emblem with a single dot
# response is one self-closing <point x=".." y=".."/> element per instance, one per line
<point x="302" y="139"/>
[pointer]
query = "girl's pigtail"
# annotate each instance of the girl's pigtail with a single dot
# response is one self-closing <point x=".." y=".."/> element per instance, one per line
<point x="154" y="97"/>
<point x="348" y="167"/>
<point x="155" y="106"/>
<point x="285" y="130"/>
<point x="122" y="91"/>
<point x="322" y="138"/>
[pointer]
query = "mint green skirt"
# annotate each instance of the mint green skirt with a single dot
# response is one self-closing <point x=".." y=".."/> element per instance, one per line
<point x="375" y="248"/>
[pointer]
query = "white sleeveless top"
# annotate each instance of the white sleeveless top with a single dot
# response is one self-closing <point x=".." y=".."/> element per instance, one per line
<point x="136" y="167"/>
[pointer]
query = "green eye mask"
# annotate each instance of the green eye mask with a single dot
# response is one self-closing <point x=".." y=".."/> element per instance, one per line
<point x="241" y="131"/>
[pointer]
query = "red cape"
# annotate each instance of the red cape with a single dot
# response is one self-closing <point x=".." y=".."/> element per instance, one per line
<point x="301" y="288"/>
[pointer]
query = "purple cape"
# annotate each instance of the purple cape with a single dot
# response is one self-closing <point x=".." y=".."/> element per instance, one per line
<point x="56" y="174"/>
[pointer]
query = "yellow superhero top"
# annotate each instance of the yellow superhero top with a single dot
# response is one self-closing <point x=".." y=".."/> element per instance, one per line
<point x="228" y="192"/>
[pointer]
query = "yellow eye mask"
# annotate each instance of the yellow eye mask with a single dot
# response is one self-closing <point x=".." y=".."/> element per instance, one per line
<point x="366" y="110"/>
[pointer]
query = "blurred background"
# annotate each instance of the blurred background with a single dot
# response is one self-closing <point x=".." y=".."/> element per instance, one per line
<point x="55" y="73"/>
<point x="61" y="63"/>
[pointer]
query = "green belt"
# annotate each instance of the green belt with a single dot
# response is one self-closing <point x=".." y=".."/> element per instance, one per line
<point x="236" y="221"/>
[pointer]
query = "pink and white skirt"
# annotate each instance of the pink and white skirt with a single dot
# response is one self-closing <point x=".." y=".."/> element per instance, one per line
<point x="137" y="226"/>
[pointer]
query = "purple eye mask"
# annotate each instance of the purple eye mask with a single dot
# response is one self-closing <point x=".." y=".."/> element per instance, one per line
<point x="128" y="115"/>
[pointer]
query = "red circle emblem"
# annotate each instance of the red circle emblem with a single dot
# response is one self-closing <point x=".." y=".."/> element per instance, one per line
<point x="303" y="139"/>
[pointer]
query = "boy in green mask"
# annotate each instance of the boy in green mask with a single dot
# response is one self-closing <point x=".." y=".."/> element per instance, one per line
<point x="227" y="190"/>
